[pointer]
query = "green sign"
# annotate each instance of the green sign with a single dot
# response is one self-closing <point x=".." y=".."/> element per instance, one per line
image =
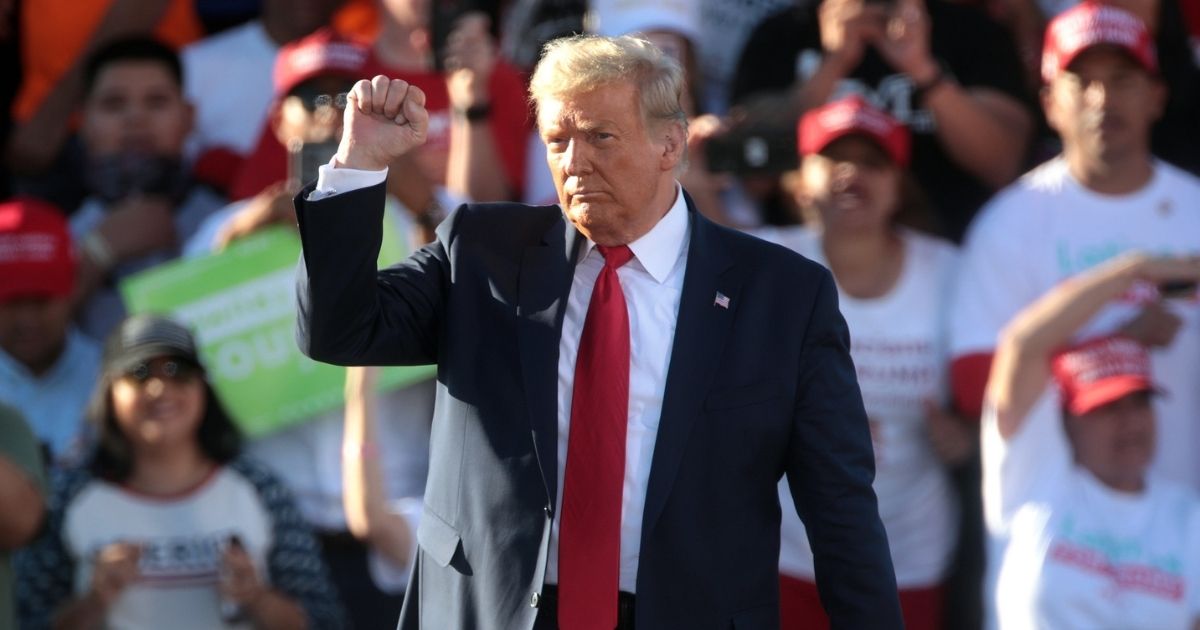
<point x="241" y="305"/>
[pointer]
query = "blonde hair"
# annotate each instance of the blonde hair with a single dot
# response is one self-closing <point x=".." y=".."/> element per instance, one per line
<point x="582" y="63"/>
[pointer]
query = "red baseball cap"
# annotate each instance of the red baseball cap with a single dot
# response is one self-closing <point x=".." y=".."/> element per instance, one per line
<point x="321" y="54"/>
<point x="1093" y="24"/>
<point x="36" y="257"/>
<point x="1100" y="371"/>
<point x="819" y="127"/>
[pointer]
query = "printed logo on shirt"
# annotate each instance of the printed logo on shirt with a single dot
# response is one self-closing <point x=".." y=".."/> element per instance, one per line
<point x="894" y="94"/>
<point x="180" y="561"/>
<point x="1125" y="561"/>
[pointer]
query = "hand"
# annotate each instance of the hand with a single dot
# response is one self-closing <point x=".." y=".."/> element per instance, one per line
<point x="470" y="60"/>
<point x="384" y="119"/>
<point x="1159" y="269"/>
<point x="239" y="580"/>
<point x="139" y="225"/>
<point x="116" y="567"/>
<point x="904" y="44"/>
<point x="272" y="206"/>
<point x="1153" y="327"/>
<point x="952" y="439"/>
<point x="846" y="28"/>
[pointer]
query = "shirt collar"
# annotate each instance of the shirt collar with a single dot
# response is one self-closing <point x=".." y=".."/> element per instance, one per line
<point x="658" y="249"/>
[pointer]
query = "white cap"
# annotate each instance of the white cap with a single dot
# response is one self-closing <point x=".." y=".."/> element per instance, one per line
<point x="613" y="18"/>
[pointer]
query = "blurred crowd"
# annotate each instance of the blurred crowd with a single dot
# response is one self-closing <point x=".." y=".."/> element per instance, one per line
<point x="1006" y="192"/>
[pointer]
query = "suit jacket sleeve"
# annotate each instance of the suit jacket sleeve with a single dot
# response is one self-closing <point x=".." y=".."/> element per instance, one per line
<point x="830" y="471"/>
<point x="348" y="312"/>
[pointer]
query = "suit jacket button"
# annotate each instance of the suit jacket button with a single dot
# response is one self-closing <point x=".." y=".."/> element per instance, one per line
<point x="535" y="599"/>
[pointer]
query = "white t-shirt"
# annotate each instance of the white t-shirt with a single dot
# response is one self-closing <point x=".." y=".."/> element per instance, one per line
<point x="227" y="77"/>
<point x="1046" y="228"/>
<point x="898" y="343"/>
<point x="1070" y="552"/>
<point x="182" y="539"/>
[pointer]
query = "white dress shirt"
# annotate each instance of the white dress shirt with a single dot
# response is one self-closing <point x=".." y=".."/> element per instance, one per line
<point x="652" y="283"/>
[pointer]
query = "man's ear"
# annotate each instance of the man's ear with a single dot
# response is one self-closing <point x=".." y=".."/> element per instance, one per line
<point x="674" y="144"/>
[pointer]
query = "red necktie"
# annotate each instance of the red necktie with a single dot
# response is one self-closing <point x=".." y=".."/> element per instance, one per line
<point x="589" y="541"/>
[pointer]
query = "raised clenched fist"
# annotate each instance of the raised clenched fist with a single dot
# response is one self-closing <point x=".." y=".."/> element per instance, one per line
<point x="385" y="118"/>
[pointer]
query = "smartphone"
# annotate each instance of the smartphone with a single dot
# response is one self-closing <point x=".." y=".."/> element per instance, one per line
<point x="752" y="151"/>
<point x="304" y="158"/>
<point x="1177" y="289"/>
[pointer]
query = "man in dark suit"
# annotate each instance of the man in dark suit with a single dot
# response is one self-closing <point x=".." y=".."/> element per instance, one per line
<point x="621" y="383"/>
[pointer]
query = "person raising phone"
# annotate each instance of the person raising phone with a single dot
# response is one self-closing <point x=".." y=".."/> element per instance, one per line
<point x="1084" y="534"/>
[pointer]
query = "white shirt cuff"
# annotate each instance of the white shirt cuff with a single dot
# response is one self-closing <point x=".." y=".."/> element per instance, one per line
<point x="332" y="181"/>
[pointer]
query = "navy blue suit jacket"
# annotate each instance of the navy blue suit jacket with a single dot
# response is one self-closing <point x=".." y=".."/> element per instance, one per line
<point x="757" y="390"/>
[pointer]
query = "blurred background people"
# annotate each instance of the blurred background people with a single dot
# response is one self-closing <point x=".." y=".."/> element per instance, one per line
<point x="893" y="283"/>
<point x="1104" y="195"/>
<point x="56" y="37"/>
<point x="142" y="203"/>
<point x="919" y="61"/>
<point x="47" y="366"/>
<point x="1085" y="535"/>
<point x="167" y="526"/>
<point x="227" y="78"/>
<point x="22" y="504"/>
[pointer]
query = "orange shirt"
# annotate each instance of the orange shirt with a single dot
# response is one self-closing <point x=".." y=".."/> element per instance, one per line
<point x="55" y="32"/>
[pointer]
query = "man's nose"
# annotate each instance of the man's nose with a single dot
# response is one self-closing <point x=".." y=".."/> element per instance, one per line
<point x="576" y="160"/>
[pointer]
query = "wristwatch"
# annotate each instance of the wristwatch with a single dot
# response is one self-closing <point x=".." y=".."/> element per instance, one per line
<point x="474" y="113"/>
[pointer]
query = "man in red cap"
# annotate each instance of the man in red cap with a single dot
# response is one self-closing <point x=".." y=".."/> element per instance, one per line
<point x="47" y="367"/>
<point x="1104" y="195"/>
<point x="1084" y="534"/>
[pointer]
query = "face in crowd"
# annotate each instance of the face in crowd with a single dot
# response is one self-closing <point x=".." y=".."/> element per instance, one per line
<point x="1116" y="442"/>
<point x="159" y="403"/>
<point x="136" y="106"/>
<point x="853" y="185"/>
<point x="33" y="329"/>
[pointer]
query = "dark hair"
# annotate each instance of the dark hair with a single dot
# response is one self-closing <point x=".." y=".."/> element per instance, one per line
<point x="220" y="440"/>
<point x="135" y="48"/>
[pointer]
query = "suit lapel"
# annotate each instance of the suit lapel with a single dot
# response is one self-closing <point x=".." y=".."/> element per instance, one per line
<point x="701" y="328"/>
<point x="543" y="286"/>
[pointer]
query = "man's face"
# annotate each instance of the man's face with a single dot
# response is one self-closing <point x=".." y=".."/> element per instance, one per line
<point x="1116" y="442"/>
<point x="608" y="168"/>
<point x="33" y="330"/>
<point x="1104" y="104"/>
<point x="136" y="107"/>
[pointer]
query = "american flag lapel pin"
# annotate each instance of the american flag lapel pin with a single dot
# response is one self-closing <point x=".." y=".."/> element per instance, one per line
<point x="721" y="300"/>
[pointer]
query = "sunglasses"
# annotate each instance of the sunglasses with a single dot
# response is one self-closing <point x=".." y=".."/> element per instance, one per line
<point x="313" y="102"/>
<point x="169" y="370"/>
